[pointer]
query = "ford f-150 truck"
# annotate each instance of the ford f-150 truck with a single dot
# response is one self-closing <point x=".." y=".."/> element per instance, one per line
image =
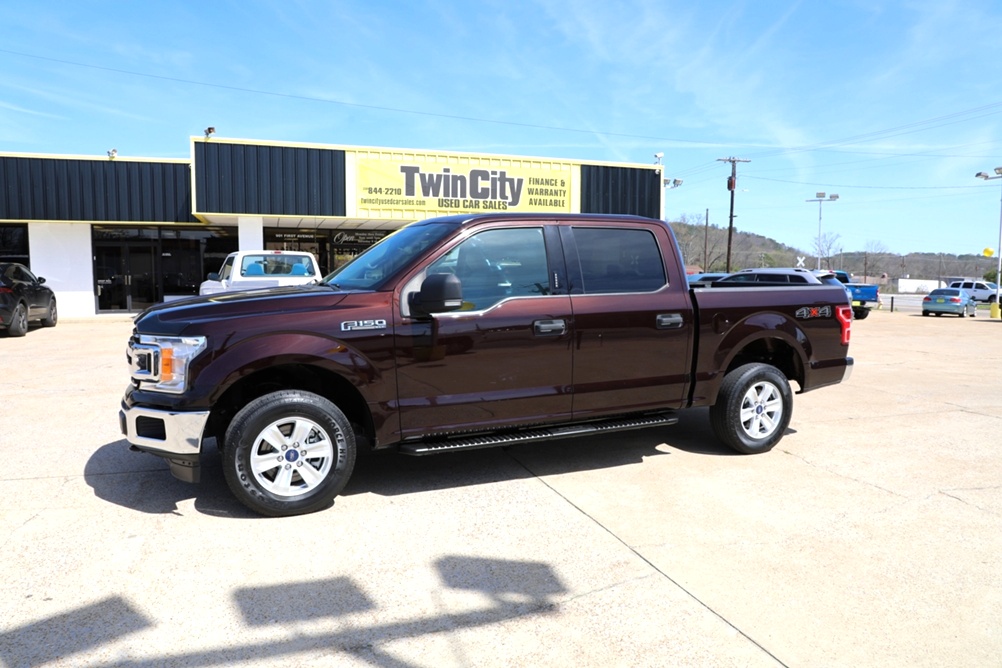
<point x="864" y="295"/>
<point x="468" y="332"/>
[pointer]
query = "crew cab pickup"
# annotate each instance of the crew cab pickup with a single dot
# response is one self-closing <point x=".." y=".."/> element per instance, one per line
<point x="864" y="295"/>
<point x="249" y="270"/>
<point x="469" y="332"/>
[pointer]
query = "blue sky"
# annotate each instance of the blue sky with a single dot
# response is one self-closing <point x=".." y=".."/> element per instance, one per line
<point x="892" y="104"/>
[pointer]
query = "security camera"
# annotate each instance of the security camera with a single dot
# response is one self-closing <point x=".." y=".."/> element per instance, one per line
<point x="659" y="155"/>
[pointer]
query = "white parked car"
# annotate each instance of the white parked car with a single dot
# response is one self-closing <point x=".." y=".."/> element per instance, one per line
<point x="248" y="270"/>
<point x="982" y="291"/>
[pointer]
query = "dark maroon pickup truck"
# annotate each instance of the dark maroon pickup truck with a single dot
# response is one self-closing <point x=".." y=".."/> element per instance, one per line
<point x="470" y="332"/>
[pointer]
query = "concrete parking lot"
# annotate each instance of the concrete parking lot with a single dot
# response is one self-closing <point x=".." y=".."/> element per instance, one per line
<point x="871" y="536"/>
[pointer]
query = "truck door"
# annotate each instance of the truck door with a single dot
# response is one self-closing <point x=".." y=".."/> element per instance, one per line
<point x="505" y="357"/>
<point x="632" y="329"/>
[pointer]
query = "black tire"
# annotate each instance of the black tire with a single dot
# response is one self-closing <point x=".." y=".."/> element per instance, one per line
<point x="860" y="313"/>
<point x="938" y="314"/>
<point x="991" y="299"/>
<point x="19" y="322"/>
<point x="925" y="313"/>
<point x="753" y="408"/>
<point x="51" y="315"/>
<point x="277" y="438"/>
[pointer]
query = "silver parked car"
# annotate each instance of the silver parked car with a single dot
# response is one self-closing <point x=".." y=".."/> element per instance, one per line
<point x="949" y="300"/>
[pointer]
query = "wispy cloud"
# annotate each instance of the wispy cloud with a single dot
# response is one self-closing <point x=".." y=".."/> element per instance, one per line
<point x="30" y="112"/>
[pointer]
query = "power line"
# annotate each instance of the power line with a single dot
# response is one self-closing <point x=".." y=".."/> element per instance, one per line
<point x="836" y="185"/>
<point x="916" y="126"/>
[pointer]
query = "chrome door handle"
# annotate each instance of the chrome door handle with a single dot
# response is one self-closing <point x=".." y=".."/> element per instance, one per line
<point x="670" y="321"/>
<point x="549" y="327"/>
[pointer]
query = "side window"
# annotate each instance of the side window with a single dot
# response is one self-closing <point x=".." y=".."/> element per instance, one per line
<point x="797" y="279"/>
<point x="497" y="264"/>
<point x="224" y="273"/>
<point x="619" y="260"/>
<point x="22" y="274"/>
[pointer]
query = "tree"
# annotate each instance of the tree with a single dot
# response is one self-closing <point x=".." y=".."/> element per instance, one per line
<point x="824" y="248"/>
<point x="690" y="236"/>
<point x="874" y="259"/>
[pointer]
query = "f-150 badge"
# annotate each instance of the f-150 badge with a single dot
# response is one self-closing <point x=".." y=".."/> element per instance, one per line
<point x="808" y="312"/>
<point x="355" y="325"/>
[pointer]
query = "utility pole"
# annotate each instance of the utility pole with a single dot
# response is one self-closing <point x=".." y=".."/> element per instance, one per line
<point x="732" y="183"/>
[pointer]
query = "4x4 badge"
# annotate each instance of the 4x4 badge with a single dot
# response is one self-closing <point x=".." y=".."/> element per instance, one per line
<point x="808" y="312"/>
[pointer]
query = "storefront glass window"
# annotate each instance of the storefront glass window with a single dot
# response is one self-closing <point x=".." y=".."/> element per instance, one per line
<point x="14" y="244"/>
<point x="135" y="267"/>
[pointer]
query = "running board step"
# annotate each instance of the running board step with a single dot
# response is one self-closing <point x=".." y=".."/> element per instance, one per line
<point x="535" y="435"/>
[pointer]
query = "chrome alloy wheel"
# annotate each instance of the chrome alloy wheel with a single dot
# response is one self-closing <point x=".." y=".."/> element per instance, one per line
<point x="292" y="456"/>
<point x="761" y="410"/>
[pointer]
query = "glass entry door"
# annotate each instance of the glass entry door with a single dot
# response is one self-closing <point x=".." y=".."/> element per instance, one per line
<point x="125" y="276"/>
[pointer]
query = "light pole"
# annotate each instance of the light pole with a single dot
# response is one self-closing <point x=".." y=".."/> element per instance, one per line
<point x="819" y="198"/>
<point x="668" y="184"/>
<point x="998" y="251"/>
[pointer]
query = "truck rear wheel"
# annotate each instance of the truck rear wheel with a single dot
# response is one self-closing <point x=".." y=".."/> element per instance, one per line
<point x="288" y="453"/>
<point x="753" y="408"/>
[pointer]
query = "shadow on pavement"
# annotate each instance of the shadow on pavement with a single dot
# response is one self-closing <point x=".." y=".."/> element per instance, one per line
<point x="509" y="589"/>
<point x="143" y="482"/>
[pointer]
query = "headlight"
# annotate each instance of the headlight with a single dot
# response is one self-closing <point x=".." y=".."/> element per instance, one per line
<point x="162" y="361"/>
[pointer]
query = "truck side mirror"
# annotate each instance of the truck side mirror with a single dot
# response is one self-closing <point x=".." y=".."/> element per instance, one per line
<point x="213" y="276"/>
<point x="439" y="293"/>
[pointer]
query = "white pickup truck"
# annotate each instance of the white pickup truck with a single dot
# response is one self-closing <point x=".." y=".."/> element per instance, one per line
<point x="249" y="270"/>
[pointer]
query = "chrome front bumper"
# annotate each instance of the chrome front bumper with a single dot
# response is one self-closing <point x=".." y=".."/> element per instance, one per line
<point x="163" y="433"/>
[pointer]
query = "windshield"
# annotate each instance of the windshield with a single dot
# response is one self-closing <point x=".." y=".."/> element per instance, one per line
<point x="383" y="260"/>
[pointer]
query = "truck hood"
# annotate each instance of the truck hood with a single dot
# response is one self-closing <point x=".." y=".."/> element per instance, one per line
<point x="174" y="317"/>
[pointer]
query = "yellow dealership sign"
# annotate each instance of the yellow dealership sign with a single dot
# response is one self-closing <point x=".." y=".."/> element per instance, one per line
<point x="395" y="185"/>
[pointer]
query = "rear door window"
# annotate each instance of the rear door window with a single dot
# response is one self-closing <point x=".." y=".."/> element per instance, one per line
<point x="618" y="260"/>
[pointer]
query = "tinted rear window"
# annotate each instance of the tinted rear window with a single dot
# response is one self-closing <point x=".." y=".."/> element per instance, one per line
<point x="619" y="260"/>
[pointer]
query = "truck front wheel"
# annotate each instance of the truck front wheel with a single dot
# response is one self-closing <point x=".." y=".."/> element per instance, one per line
<point x="753" y="408"/>
<point x="288" y="453"/>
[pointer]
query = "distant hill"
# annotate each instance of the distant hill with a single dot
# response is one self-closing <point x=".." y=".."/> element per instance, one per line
<point x="706" y="246"/>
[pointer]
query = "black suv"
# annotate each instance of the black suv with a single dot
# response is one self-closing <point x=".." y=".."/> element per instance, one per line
<point x="23" y="297"/>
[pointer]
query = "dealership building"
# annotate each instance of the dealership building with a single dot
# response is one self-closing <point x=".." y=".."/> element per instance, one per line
<point x="116" y="234"/>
